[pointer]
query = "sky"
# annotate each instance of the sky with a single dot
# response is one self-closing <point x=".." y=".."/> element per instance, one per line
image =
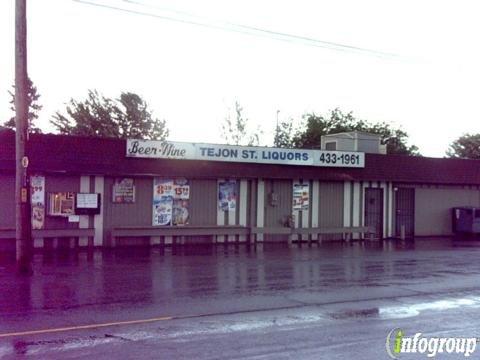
<point x="192" y="75"/>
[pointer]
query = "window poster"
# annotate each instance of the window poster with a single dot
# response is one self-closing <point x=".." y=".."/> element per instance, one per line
<point x="227" y="195"/>
<point x="162" y="201"/>
<point x="301" y="196"/>
<point x="37" y="198"/>
<point x="170" y="202"/>
<point x="124" y="191"/>
<point x="61" y="204"/>
<point x="180" y="212"/>
<point x="181" y="197"/>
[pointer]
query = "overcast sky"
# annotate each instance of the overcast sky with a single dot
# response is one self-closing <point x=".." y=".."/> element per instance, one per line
<point x="191" y="75"/>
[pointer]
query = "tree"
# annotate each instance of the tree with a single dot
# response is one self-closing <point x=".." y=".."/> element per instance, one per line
<point x="126" y="117"/>
<point x="33" y="107"/>
<point x="317" y="125"/>
<point x="466" y="146"/>
<point x="237" y="132"/>
<point x="284" y="134"/>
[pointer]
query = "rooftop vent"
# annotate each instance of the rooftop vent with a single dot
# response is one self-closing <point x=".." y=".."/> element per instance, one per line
<point x="354" y="141"/>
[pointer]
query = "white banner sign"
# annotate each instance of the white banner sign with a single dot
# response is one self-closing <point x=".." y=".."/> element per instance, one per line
<point x="196" y="151"/>
<point x="37" y="194"/>
<point x="87" y="201"/>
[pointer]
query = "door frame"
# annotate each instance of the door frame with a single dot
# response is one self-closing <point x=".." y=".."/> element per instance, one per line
<point x="397" y="230"/>
<point x="381" y="207"/>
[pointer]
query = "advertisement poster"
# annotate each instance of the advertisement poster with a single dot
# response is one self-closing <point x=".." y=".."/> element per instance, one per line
<point x="227" y="195"/>
<point x="37" y="197"/>
<point x="162" y="211"/>
<point x="180" y="212"/>
<point x="171" y="202"/>
<point x="124" y="191"/>
<point x="162" y="202"/>
<point x="301" y="196"/>
<point x="181" y="189"/>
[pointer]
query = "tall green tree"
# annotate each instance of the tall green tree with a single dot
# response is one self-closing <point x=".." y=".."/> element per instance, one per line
<point x="466" y="146"/>
<point x="317" y="125"/>
<point x="283" y="137"/>
<point x="33" y="107"/>
<point x="125" y="117"/>
<point x="237" y="131"/>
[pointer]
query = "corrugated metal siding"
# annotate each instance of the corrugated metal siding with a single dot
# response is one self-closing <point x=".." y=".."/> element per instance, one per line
<point x="252" y="203"/>
<point x="203" y="202"/>
<point x="60" y="184"/>
<point x="7" y="201"/>
<point x="330" y="212"/>
<point x="275" y="215"/>
<point x="432" y="208"/>
<point x="137" y="214"/>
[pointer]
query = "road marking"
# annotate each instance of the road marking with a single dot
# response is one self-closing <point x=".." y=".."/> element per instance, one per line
<point x="82" y="327"/>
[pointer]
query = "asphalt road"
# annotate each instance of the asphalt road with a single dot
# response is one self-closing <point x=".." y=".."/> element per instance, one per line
<point x="334" y="301"/>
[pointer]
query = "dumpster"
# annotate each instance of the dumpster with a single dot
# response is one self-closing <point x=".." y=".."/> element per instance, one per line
<point x="466" y="220"/>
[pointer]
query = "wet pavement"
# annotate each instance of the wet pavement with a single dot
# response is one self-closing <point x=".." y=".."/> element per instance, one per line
<point x="333" y="301"/>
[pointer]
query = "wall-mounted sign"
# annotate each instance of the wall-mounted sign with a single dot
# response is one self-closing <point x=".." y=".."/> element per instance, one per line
<point x="154" y="149"/>
<point x="87" y="204"/>
<point x="74" y="218"/>
<point x="301" y="196"/>
<point x="123" y="191"/>
<point x="37" y="197"/>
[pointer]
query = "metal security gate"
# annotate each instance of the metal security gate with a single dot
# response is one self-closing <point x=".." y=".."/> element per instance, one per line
<point x="405" y="211"/>
<point x="374" y="210"/>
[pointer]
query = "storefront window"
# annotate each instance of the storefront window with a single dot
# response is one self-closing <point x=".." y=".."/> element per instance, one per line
<point x="61" y="204"/>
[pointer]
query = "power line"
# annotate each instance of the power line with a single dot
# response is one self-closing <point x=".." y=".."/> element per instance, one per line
<point x="242" y="29"/>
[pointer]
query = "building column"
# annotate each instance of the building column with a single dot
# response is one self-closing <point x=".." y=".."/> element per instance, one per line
<point x="356" y="206"/>
<point x="391" y="210"/>
<point x="365" y="185"/>
<point x="84" y="222"/>
<point x="306" y="213"/>
<point x="347" y="205"/>
<point x="315" y="206"/>
<point x="295" y="213"/>
<point x="232" y="215"/>
<point x="98" y="219"/>
<point x="260" y="206"/>
<point x="384" y="187"/>
<point x="220" y="214"/>
<point x="242" y="216"/>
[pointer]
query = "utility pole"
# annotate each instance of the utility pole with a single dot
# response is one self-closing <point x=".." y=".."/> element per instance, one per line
<point x="22" y="184"/>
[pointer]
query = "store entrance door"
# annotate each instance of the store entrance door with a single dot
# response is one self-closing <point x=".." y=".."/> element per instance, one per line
<point x="405" y="212"/>
<point x="374" y="211"/>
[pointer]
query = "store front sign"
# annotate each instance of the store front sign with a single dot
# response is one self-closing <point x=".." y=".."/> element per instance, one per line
<point x="263" y="155"/>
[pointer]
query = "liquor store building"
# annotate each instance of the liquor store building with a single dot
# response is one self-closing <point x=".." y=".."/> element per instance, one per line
<point x="89" y="192"/>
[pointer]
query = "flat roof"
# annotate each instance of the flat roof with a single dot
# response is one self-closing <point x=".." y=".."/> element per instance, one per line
<point x="63" y="154"/>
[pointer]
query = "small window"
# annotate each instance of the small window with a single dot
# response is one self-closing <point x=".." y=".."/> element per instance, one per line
<point x="61" y="204"/>
<point x="331" y="145"/>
